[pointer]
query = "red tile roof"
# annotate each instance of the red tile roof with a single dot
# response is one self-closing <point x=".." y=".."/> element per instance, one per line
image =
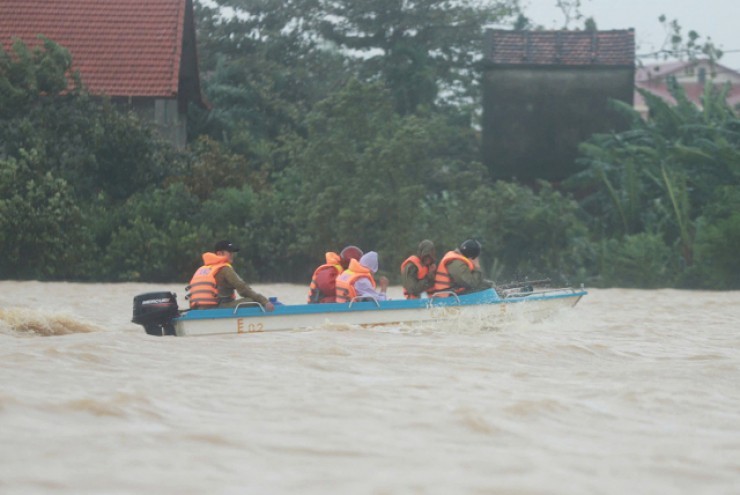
<point x="572" y="48"/>
<point x="120" y="47"/>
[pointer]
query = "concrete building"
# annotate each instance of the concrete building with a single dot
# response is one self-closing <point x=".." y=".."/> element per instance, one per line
<point x="545" y="92"/>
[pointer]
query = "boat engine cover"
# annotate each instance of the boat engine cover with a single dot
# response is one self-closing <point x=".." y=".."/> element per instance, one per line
<point x="155" y="308"/>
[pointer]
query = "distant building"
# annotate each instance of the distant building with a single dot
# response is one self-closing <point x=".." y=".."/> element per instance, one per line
<point x="545" y="92"/>
<point x="692" y="75"/>
<point x="140" y="53"/>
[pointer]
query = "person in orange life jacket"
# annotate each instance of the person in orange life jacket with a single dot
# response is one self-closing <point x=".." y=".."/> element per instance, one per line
<point x="358" y="281"/>
<point x="323" y="282"/>
<point x="214" y="283"/>
<point x="418" y="271"/>
<point x="460" y="270"/>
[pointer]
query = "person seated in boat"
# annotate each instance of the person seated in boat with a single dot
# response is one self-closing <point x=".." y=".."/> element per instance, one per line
<point x="323" y="282"/>
<point x="459" y="271"/>
<point x="418" y="271"/>
<point x="358" y="280"/>
<point x="348" y="254"/>
<point x="213" y="284"/>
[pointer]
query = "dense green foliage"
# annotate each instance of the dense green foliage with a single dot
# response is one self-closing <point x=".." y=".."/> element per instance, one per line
<point x="339" y="123"/>
<point x="663" y="193"/>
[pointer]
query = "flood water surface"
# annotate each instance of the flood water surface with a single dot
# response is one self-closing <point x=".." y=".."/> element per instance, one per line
<point x="628" y="392"/>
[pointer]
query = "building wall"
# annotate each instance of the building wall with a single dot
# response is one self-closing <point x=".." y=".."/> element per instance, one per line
<point x="171" y="123"/>
<point x="167" y="114"/>
<point x="535" y="117"/>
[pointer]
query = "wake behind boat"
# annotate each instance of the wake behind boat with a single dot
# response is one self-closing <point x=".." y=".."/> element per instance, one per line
<point x="159" y="314"/>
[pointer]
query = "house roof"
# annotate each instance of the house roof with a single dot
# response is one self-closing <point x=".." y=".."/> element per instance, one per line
<point x="662" y="70"/>
<point x="120" y="47"/>
<point x="694" y="92"/>
<point x="569" y="48"/>
<point x="654" y="78"/>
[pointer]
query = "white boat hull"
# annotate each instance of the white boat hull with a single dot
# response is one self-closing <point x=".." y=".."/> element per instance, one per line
<point x="484" y="307"/>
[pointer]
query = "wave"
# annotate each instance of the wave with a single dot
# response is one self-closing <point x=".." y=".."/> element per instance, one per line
<point x="26" y="321"/>
<point x="120" y="404"/>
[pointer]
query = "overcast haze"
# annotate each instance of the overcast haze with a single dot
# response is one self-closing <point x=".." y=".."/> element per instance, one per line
<point x="717" y="19"/>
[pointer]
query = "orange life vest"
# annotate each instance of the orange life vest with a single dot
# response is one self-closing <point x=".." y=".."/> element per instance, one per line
<point x="323" y="282"/>
<point x="421" y="273"/>
<point x="203" y="289"/>
<point x="442" y="280"/>
<point x="346" y="281"/>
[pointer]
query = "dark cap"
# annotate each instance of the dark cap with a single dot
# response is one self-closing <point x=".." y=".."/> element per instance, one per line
<point x="470" y="249"/>
<point x="225" y="246"/>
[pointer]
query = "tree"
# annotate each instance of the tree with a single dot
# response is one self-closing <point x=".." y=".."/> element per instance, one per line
<point x="571" y="10"/>
<point x="424" y="51"/>
<point x="683" y="46"/>
<point x="263" y="72"/>
<point x="525" y="233"/>
<point x="67" y="163"/>
<point x="661" y="177"/>
<point x="27" y="74"/>
<point x="36" y="213"/>
<point x="366" y="176"/>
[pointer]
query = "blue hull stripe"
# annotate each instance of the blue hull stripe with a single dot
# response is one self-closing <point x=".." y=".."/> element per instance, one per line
<point x="478" y="298"/>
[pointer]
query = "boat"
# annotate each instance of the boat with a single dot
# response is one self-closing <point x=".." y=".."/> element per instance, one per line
<point x="159" y="314"/>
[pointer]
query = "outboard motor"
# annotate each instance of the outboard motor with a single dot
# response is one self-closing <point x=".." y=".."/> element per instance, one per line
<point x="155" y="311"/>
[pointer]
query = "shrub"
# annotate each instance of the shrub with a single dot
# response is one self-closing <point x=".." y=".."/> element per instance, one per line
<point x="639" y="261"/>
